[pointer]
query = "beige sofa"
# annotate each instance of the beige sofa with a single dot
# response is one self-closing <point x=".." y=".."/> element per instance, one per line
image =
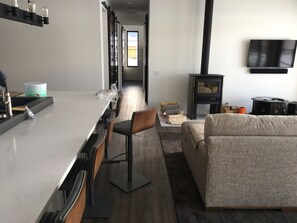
<point x="243" y="161"/>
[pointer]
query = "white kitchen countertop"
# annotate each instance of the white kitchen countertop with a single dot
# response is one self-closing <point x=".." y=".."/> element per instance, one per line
<point x="36" y="155"/>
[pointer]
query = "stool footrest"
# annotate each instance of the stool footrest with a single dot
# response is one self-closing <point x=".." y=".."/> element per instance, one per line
<point x="114" y="159"/>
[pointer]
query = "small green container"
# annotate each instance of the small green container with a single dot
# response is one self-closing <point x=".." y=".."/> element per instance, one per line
<point x="35" y="89"/>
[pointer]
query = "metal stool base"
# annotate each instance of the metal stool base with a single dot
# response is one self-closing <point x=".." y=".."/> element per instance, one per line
<point x="121" y="181"/>
<point x="101" y="209"/>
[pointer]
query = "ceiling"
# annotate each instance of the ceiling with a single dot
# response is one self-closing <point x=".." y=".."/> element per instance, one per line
<point x="130" y="6"/>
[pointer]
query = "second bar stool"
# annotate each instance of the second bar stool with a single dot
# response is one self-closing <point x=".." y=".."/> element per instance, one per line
<point x="74" y="206"/>
<point x="141" y="120"/>
<point x="109" y="112"/>
<point x="97" y="206"/>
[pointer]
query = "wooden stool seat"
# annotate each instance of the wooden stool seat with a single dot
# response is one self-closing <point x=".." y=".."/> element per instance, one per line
<point x="123" y="128"/>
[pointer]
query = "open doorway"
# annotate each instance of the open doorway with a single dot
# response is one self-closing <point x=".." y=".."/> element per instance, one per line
<point x="133" y="53"/>
<point x="131" y="49"/>
<point x="135" y="56"/>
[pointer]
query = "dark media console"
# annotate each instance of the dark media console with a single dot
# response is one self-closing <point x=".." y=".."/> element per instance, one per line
<point x="269" y="106"/>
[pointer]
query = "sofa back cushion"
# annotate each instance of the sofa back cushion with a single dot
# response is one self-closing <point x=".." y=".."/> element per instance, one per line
<point x="249" y="125"/>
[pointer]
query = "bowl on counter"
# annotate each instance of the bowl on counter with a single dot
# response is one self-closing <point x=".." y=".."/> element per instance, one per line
<point x="35" y="89"/>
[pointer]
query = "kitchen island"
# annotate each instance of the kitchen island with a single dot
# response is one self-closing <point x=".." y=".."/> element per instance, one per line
<point x="36" y="155"/>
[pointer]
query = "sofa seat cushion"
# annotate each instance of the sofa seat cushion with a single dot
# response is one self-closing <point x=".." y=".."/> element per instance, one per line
<point x="250" y="125"/>
<point x="193" y="132"/>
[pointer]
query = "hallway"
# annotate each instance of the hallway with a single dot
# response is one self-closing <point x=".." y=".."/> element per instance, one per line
<point x="152" y="203"/>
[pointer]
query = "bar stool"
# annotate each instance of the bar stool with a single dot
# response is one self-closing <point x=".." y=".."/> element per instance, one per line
<point x="92" y="139"/>
<point x="97" y="206"/>
<point x="141" y="120"/>
<point x="74" y="206"/>
<point x="110" y="126"/>
<point x="108" y="112"/>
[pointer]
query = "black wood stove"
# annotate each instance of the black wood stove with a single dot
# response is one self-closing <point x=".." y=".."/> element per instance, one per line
<point x="205" y="88"/>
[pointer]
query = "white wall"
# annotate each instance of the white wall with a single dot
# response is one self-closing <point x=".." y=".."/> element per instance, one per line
<point x="130" y="19"/>
<point x="176" y="41"/>
<point x="233" y="27"/>
<point x="66" y="53"/>
<point x="134" y="73"/>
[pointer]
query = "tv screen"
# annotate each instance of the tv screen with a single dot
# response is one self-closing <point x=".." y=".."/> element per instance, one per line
<point x="271" y="53"/>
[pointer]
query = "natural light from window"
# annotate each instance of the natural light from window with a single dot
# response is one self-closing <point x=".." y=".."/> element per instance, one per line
<point x="132" y="37"/>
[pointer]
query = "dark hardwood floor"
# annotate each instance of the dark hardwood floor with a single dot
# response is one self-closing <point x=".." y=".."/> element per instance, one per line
<point x="152" y="203"/>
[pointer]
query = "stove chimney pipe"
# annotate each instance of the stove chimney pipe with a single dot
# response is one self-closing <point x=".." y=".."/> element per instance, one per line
<point x="206" y="36"/>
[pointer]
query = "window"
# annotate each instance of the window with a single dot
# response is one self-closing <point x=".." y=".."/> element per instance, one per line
<point x="132" y="38"/>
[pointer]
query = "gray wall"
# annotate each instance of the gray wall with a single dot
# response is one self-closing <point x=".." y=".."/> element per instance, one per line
<point x="66" y="53"/>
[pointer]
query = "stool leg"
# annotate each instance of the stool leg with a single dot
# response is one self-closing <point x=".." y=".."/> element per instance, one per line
<point x="130" y="156"/>
<point x="90" y="196"/>
<point x="98" y="206"/>
<point x="130" y="180"/>
<point x="113" y="159"/>
<point x="104" y="122"/>
<point x="106" y="153"/>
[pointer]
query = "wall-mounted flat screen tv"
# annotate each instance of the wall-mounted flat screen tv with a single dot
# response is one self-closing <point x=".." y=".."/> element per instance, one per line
<point x="271" y="53"/>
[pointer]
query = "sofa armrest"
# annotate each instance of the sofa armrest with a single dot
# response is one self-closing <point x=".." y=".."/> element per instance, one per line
<point x="194" y="132"/>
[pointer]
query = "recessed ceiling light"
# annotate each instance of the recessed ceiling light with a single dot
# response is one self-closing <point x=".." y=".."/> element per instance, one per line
<point x="129" y="3"/>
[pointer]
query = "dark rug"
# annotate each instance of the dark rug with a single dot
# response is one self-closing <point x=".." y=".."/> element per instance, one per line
<point x="188" y="203"/>
<point x="171" y="142"/>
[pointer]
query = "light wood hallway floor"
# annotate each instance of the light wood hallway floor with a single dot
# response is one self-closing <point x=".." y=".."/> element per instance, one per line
<point x="152" y="203"/>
